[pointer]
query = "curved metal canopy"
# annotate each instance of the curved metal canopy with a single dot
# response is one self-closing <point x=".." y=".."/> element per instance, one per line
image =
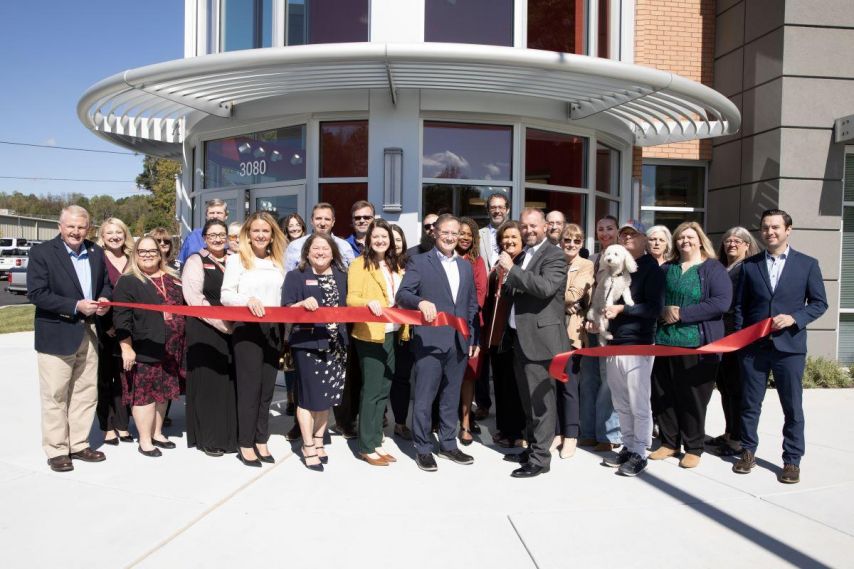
<point x="146" y="109"/>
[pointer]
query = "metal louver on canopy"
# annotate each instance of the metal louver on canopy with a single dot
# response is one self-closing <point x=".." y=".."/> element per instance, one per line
<point x="146" y="109"/>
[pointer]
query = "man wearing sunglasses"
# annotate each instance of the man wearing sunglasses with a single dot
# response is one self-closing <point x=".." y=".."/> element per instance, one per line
<point x="363" y="214"/>
<point x="428" y="236"/>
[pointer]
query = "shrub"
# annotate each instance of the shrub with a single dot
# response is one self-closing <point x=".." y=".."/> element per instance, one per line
<point x="825" y="373"/>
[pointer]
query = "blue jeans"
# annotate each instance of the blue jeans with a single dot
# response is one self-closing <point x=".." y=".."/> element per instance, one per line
<point x="598" y="419"/>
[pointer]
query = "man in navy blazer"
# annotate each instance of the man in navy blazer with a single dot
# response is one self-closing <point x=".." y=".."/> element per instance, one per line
<point x="440" y="281"/>
<point x="64" y="277"/>
<point x="785" y="285"/>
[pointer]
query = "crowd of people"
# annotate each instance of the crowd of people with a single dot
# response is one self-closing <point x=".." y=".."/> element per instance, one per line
<point x="525" y="289"/>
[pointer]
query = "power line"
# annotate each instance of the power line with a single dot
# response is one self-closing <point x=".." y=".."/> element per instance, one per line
<point x="42" y="178"/>
<point x="68" y="148"/>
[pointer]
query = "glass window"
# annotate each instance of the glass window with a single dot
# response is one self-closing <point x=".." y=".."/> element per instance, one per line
<point x="344" y="149"/>
<point x="279" y="206"/>
<point x="342" y="197"/>
<point x="246" y="24"/>
<point x="607" y="170"/>
<point x="673" y="186"/>
<point x="571" y="205"/>
<point x="557" y="25"/>
<point x="604" y="41"/>
<point x="607" y="207"/>
<point x="458" y="199"/>
<point x="257" y="158"/>
<point x="670" y="219"/>
<point x="326" y="21"/>
<point x="467" y="151"/>
<point x="556" y="159"/>
<point x="488" y="22"/>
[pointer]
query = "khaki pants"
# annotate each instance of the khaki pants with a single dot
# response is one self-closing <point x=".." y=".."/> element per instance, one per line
<point x="69" y="393"/>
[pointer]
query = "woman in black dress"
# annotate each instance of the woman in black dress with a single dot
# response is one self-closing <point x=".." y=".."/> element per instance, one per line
<point x="319" y="350"/>
<point x="211" y="399"/>
<point x="151" y="343"/>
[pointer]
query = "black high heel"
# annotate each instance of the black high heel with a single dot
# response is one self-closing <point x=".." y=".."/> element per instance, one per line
<point x="254" y="463"/>
<point x="323" y="459"/>
<point x="305" y="457"/>
<point x="465" y="442"/>
<point x="268" y="458"/>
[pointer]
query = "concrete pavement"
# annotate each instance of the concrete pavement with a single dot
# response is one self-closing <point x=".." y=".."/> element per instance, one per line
<point x="189" y="510"/>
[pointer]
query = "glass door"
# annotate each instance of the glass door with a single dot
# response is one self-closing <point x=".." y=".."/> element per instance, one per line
<point x="233" y="198"/>
<point x="279" y="200"/>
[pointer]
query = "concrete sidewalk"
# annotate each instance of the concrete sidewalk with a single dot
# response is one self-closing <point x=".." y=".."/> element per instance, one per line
<point x="189" y="510"/>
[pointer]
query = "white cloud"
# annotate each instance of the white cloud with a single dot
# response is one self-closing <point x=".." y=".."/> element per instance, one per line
<point x="444" y="163"/>
<point x="50" y="141"/>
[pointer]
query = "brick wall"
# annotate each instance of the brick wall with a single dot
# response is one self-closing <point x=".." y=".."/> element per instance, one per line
<point x="677" y="36"/>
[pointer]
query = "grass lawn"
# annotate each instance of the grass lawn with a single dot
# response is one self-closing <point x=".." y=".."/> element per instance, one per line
<point x="16" y="319"/>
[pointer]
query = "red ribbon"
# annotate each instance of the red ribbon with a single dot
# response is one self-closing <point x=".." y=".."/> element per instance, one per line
<point x="323" y="315"/>
<point x="731" y="343"/>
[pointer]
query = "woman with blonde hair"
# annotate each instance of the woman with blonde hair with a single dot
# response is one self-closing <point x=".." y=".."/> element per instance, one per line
<point x="659" y="243"/>
<point x="253" y="278"/>
<point x="113" y="416"/>
<point x="697" y="293"/>
<point x="151" y="343"/>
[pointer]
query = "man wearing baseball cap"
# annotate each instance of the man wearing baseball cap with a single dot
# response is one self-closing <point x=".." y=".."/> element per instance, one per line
<point x="629" y="376"/>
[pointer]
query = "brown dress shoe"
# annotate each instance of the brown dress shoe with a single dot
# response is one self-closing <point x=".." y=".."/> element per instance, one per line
<point x="387" y="457"/>
<point x="88" y="455"/>
<point x="381" y="461"/>
<point x="791" y="474"/>
<point x="60" y="464"/>
<point x="662" y="452"/>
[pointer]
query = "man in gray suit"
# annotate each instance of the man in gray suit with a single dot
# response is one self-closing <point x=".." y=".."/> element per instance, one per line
<point x="536" y="286"/>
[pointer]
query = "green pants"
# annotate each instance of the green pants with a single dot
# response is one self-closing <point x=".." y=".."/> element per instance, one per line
<point x="377" y="364"/>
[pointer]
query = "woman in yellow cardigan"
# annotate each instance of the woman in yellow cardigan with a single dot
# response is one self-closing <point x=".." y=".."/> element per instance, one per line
<point x="372" y="281"/>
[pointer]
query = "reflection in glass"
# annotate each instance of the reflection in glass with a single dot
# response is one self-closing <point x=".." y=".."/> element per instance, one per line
<point x="671" y="219"/>
<point x="555" y="158"/>
<point x="571" y="205"/>
<point x="459" y="200"/>
<point x="487" y="22"/>
<point x="343" y="149"/>
<point x="326" y="21"/>
<point x="673" y="186"/>
<point x="604" y="41"/>
<point x="279" y="206"/>
<point x="467" y="151"/>
<point x="256" y="158"/>
<point x="607" y="170"/>
<point x="246" y="24"/>
<point x="557" y="25"/>
<point x="342" y="197"/>
<point x="607" y="207"/>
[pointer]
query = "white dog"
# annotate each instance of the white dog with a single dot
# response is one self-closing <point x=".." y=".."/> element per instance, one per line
<point x="612" y="282"/>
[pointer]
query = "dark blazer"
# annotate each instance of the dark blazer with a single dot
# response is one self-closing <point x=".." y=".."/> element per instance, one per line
<point x="53" y="286"/>
<point x="799" y="293"/>
<point x="302" y="284"/>
<point x="425" y="279"/>
<point x="145" y="328"/>
<point x="538" y="295"/>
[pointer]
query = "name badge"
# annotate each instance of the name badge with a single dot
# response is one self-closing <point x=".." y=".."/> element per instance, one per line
<point x="208" y="266"/>
<point x="167" y="316"/>
<point x="311" y="283"/>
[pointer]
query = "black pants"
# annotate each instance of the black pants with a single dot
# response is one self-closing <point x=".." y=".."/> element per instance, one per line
<point x="568" y="408"/>
<point x="111" y="413"/>
<point x="256" y="356"/>
<point x="729" y="385"/>
<point x="681" y="389"/>
<point x="347" y="411"/>
<point x="481" y="386"/>
<point x="509" y="417"/>
<point x="401" y="382"/>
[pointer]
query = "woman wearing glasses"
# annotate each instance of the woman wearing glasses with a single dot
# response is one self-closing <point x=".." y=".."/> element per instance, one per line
<point x="151" y="343"/>
<point x="737" y="245"/>
<point x="579" y="284"/>
<point x="211" y="399"/>
<point x="253" y="278"/>
<point x="166" y="244"/>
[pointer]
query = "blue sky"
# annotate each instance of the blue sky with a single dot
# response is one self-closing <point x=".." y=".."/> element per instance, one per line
<point x="51" y="52"/>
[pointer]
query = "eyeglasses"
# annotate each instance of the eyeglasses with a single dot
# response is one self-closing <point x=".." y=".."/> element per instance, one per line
<point x="735" y="242"/>
<point x="164" y="241"/>
<point x="554" y="223"/>
<point x="363" y="218"/>
<point x="568" y="241"/>
<point x="429" y="225"/>
<point x="216" y="236"/>
<point x="149" y="252"/>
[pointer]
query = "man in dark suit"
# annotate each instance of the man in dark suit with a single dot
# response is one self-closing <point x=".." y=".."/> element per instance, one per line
<point x="785" y="285"/>
<point x="440" y="281"/>
<point x="64" y="277"/>
<point x="537" y="287"/>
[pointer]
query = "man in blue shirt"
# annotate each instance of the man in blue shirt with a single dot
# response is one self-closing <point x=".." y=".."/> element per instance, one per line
<point x="214" y="209"/>
<point x="363" y="214"/>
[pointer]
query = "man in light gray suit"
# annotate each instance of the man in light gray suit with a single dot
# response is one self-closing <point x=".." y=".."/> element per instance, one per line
<point x="498" y="209"/>
<point x="537" y="287"/>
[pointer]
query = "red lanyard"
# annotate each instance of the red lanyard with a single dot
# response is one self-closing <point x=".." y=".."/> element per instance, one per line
<point x="161" y="290"/>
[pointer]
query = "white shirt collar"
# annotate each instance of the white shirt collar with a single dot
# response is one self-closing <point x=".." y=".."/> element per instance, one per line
<point x="784" y="255"/>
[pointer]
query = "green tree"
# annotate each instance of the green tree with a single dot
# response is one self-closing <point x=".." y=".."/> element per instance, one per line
<point x="158" y="177"/>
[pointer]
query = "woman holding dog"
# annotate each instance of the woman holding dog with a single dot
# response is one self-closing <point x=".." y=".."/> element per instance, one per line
<point x="698" y="292"/>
